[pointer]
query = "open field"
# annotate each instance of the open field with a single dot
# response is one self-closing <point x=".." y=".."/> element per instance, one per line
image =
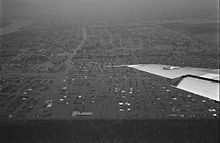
<point x="4" y="23"/>
<point x="194" y="28"/>
<point x="13" y="26"/>
<point x="208" y="31"/>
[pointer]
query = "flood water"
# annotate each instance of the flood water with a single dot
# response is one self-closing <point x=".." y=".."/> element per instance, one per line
<point x="14" y="27"/>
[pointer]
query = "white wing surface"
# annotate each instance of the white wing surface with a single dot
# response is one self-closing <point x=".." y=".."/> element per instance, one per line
<point x="201" y="87"/>
<point x="201" y="81"/>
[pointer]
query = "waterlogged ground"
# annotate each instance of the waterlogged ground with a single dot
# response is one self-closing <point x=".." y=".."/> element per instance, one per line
<point x="204" y="31"/>
<point x="13" y="26"/>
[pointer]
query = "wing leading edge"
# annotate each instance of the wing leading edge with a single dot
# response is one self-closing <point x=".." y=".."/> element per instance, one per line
<point x="201" y="81"/>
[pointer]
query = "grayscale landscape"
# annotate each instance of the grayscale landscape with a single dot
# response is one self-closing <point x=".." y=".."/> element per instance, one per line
<point x="54" y="57"/>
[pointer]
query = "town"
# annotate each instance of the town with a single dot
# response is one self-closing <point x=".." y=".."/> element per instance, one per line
<point x="58" y="70"/>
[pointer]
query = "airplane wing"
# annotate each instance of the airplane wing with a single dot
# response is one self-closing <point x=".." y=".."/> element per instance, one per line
<point x="201" y="81"/>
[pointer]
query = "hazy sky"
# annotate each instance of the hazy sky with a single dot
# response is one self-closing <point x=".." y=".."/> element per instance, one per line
<point x="108" y="8"/>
